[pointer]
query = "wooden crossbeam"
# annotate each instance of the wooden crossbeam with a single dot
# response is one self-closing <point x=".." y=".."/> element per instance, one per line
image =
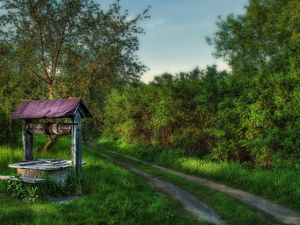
<point x="49" y="128"/>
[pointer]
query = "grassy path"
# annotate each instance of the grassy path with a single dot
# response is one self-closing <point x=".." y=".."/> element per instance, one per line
<point x="190" y="203"/>
<point x="282" y="214"/>
<point x="230" y="210"/>
<point x="279" y="184"/>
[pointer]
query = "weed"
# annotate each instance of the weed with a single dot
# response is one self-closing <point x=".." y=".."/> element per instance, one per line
<point x="19" y="189"/>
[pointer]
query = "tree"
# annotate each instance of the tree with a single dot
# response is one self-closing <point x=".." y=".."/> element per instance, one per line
<point x="69" y="48"/>
<point x="265" y="38"/>
<point x="72" y="45"/>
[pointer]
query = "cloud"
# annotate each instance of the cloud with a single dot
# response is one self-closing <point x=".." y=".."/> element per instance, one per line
<point x="156" y="23"/>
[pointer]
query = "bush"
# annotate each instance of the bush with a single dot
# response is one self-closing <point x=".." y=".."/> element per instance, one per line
<point x="227" y="117"/>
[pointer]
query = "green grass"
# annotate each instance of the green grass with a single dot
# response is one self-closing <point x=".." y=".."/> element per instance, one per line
<point x="231" y="210"/>
<point x="281" y="185"/>
<point x="110" y="195"/>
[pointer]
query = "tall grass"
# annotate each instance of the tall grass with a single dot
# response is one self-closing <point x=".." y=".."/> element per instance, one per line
<point x="8" y="155"/>
<point x="282" y="185"/>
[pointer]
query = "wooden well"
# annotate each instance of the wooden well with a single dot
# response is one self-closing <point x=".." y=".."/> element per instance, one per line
<point x="29" y="112"/>
<point x="56" y="170"/>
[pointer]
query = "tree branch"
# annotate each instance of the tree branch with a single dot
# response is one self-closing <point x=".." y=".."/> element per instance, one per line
<point x="43" y="52"/>
<point x="59" y="48"/>
<point x="32" y="71"/>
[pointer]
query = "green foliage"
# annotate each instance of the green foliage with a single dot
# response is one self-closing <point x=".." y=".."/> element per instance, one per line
<point x="223" y="116"/>
<point x="21" y="190"/>
<point x="265" y="38"/>
<point x="31" y="192"/>
<point x="72" y="186"/>
<point x="249" y="115"/>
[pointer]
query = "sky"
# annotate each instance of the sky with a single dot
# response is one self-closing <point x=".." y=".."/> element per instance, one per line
<point x="175" y="38"/>
<point x="175" y="33"/>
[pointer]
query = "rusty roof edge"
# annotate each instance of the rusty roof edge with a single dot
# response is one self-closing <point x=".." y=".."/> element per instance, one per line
<point x="18" y="114"/>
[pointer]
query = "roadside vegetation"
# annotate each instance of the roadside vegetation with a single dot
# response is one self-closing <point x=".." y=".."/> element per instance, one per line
<point x="280" y="185"/>
<point x="211" y="114"/>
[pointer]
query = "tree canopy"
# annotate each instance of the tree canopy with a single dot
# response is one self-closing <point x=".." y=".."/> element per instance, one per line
<point x="71" y="46"/>
<point x="265" y="38"/>
<point x="66" y="48"/>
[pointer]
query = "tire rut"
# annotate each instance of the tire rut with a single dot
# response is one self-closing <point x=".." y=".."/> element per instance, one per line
<point x="278" y="212"/>
<point x="190" y="203"/>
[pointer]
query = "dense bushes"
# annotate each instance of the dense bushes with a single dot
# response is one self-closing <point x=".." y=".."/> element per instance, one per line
<point x="224" y="116"/>
<point x="248" y="115"/>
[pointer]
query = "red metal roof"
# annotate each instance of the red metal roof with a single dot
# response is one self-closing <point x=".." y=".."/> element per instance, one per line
<point x="59" y="108"/>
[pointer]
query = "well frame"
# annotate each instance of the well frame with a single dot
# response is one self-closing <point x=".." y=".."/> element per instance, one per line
<point x="28" y="111"/>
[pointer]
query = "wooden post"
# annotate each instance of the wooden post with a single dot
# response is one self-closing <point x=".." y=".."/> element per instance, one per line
<point x="27" y="139"/>
<point x="76" y="144"/>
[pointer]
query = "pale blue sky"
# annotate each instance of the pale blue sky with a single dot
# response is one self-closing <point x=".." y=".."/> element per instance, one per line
<point x="175" y="34"/>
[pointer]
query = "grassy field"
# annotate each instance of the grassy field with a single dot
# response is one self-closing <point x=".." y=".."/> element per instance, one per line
<point x="282" y="185"/>
<point x="110" y="195"/>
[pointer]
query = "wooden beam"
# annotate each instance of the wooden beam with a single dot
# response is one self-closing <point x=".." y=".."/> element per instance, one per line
<point x="76" y="144"/>
<point x="27" y="139"/>
<point x="7" y="177"/>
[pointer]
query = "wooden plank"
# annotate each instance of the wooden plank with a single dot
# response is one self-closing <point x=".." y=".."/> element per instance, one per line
<point x="76" y="144"/>
<point x="24" y="179"/>
<point x="32" y="180"/>
<point x="44" y="164"/>
<point x="27" y="139"/>
<point x="7" y="177"/>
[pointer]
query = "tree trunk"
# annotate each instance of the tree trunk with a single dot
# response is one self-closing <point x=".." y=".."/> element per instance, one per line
<point x="50" y="90"/>
<point x="51" y="141"/>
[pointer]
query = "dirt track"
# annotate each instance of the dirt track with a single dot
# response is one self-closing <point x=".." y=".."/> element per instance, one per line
<point x="200" y="210"/>
<point x="280" y="213"/>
